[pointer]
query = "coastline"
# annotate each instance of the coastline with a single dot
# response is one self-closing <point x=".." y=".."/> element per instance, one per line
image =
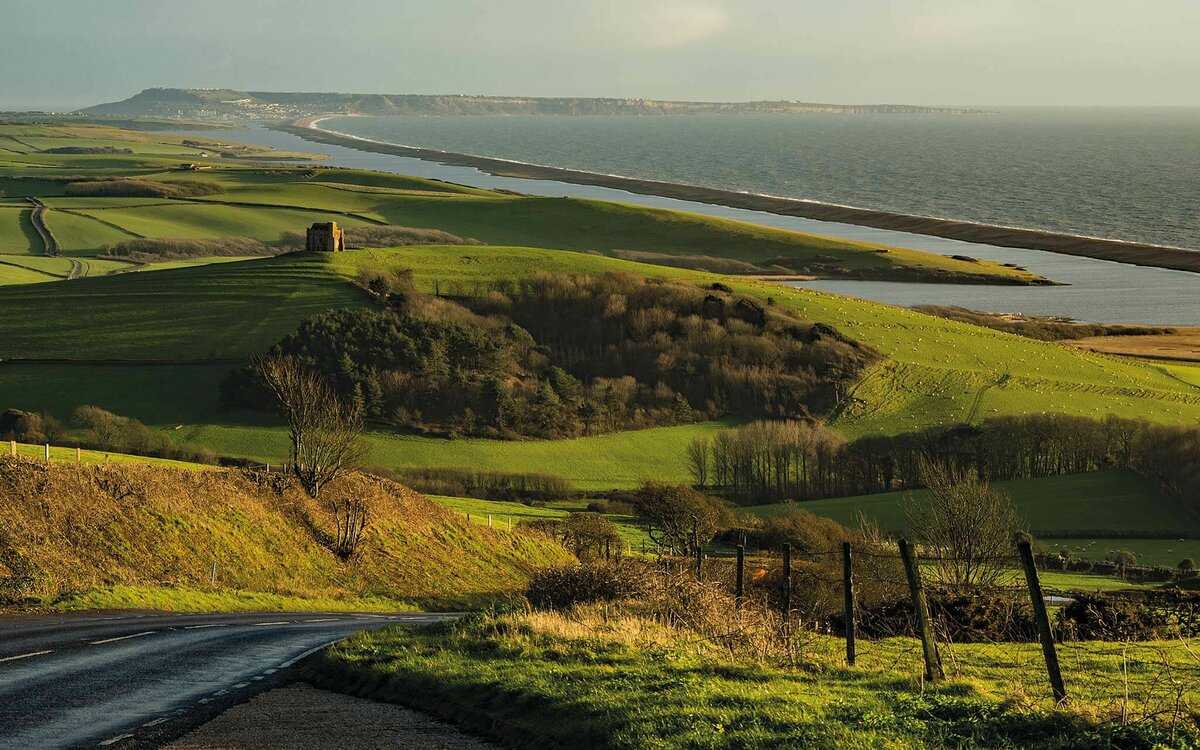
<point x="1134" y="253"/>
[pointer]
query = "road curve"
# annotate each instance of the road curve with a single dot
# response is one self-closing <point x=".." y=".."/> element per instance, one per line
<point x="123" y="679"/>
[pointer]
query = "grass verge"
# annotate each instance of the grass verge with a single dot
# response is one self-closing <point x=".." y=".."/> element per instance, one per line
<point x="585" y="679"/>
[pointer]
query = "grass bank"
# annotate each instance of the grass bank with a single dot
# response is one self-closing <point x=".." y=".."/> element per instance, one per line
<point x="135" y="535"/>
<point x="594" y="679"/>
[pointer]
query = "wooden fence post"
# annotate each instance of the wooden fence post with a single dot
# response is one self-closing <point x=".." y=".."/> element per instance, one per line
<point x="740" y="590"/>
<point x="699" y="559"/>
<point x="1045" y="634"/>
<point x="47" y="453"/>
<point x="933" y="662"/>
<point x="787" y="583"/>
<point x="78" y="455"/>
<point x="848" y="604"/>
<point x="489" y="520"/>
<point x="12" y="448"/>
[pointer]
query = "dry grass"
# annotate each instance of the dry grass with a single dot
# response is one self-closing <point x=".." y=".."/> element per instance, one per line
<point x="1182" y="345"/>
<point x="68" y="529"/>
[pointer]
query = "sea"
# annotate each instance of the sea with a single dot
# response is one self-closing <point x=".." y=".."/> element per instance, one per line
<point x="1121" y="173"/>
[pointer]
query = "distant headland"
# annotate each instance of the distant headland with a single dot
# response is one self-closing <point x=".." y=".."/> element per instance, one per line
<point x="231" y="105"/>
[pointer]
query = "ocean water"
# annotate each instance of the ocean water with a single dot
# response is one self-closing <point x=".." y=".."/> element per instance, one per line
<point x="1097" y="290"/>
<point x="1130" y="174"/>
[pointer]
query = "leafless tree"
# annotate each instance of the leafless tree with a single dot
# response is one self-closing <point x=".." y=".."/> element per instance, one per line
<point x="697" y="453"/>
<point x="968" y="525"/>
<point x="325" y="431"/>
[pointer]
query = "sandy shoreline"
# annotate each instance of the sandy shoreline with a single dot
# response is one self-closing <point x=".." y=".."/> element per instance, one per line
<point x="1135" y="253"/>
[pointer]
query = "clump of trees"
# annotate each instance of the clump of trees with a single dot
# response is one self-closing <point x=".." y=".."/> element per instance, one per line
<point x="561" y="356"/>
<point x="775" y="461"/>
<point x="114" y="187"/>
<point x="95" y="428"/>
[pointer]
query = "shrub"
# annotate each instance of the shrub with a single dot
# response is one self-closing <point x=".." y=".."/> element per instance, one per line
<point x="805" y="531"/>
<point x="100" y="429"/>
<point x="29" y="427"/>
<point x="166" y="248"/>
<point x="141" y="188"/>
<point x="562" y="588"/>
<point x="1096" y="617"/>
<point x="485" y="485"/>
<point x="678" y="517"/>
<point x="978" y="617"/>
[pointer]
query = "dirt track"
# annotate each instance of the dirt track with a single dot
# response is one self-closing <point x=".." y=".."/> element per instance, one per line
<point x="300" y="717"/>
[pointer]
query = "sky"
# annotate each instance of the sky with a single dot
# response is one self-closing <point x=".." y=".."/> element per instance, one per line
<point x="73" y="53"/>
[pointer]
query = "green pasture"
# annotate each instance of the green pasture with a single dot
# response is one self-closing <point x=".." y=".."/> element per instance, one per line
<point x="506" y="515"/>
<point x="1101" y="512"/>
<point x="17" y="235"/>
<point x="81" y="234"/>
<point x="15" y="275"/>
<point x="617" y="460"/>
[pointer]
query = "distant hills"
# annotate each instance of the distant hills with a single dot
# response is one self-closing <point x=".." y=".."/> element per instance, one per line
<point x="230" y="105"/>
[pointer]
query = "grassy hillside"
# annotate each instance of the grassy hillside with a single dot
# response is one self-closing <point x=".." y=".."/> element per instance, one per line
<point x="66" y="530"/>
<point x="935" y="371"/>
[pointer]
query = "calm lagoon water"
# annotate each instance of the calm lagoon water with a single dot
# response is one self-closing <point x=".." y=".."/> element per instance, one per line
<point x="1100" y="291"/>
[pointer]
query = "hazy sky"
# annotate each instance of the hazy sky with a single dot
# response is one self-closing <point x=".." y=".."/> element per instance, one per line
<point x="70" y="53"/>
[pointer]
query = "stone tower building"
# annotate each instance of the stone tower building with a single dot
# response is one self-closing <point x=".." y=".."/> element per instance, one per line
<point x="325" y="237"/>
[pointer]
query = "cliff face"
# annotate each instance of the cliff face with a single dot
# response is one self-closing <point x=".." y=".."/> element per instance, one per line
<point x="226" y="104"/>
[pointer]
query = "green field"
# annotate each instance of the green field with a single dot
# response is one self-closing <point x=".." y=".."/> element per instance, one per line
<point x="17" y="235"/>
<point x="11" y="274"/>
<point x="505" y="515"/>
<point x="1101" y="512"/>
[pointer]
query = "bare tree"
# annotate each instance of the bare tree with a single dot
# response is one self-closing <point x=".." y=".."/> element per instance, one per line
<point x="967" y="524"/>
<point x="325" y="431"/>
<point x="697" y="454"/>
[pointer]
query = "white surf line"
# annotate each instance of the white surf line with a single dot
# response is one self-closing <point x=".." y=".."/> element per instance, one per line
<point x="122" y="638"/>
<point x="281" y="622"/>
<point x="240" y="685"/>
<point x="211" y="625"/>
<point x="157" y="721"/>
<point x="324" y="619"/>
<point x="114" y="740"/>
<point x="27" y="656"/>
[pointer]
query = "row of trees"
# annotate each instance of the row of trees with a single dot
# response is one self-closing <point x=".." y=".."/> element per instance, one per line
<point x="790" y="460"/>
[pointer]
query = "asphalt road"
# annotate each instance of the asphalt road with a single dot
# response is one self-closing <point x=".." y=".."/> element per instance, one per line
<point x="122" y="680"/>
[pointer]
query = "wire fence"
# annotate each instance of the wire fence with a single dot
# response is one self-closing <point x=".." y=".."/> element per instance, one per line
<point x="1128" y="655"/>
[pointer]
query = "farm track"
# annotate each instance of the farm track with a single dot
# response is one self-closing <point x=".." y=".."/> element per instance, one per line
<point x="38" y="216"/>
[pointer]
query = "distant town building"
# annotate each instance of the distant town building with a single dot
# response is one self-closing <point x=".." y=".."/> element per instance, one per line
<point x="325" y="237"/>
